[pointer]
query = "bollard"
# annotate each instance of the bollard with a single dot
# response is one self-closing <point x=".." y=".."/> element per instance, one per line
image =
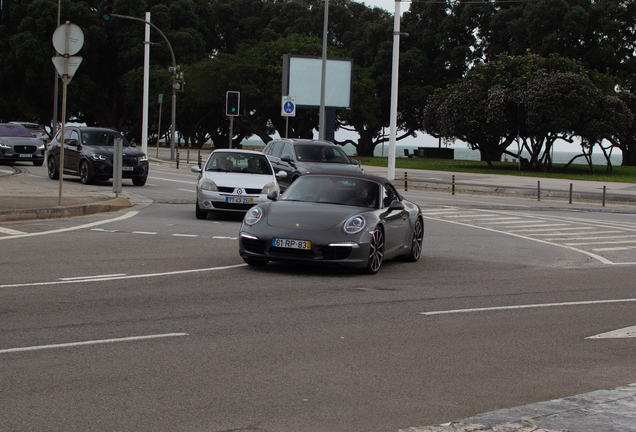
<point x="199" y="159"/>
<point x="406" y="182"/>
<point x="538" y="191"/>
<point x="188" y="157"/>
<point x="453" y="187"/>
<point x="604" y="190"/>
<point x="177" y="160"/>
<point x="570" y="193"/>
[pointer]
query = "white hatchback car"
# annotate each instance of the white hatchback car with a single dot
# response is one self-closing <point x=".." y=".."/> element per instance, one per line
<point x="234" y="180"/>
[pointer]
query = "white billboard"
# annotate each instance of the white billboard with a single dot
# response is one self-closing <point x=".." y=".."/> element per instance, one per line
<point x="302" y="78"/>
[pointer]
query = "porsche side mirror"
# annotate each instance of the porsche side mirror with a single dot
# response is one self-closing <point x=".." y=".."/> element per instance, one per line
<point x="273" y="196"/>
<point x="396" y="206"/>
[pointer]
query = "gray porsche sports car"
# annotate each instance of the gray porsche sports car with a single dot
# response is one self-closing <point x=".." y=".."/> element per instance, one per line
<point x="352" y="220"/>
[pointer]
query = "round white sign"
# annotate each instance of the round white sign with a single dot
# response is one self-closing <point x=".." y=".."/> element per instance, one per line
<point x="75" y="39"/>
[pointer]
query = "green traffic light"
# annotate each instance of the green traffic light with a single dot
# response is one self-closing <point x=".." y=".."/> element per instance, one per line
<point x="106" y="17"/>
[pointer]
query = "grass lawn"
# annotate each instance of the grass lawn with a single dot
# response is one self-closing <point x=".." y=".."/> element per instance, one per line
<point x="573" y="172"/>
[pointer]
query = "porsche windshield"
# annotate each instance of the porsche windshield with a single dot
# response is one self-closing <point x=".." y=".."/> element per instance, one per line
<point x="333" y="190"/>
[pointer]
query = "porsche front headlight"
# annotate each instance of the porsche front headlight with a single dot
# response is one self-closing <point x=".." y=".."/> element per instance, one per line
<point x="253" y="216"/>
<point x="354" y="225"/>
<point x="268" y="188"/>
<point x="208" y="185"/>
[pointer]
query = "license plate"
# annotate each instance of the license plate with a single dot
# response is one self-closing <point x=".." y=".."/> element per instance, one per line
<point x="291" y="244"/>
<point x="25" y="155"/>
<point x="125" y="168"/>
<point x="238" y="200"/>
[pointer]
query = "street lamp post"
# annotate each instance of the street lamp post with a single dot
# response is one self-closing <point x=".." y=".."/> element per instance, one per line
<point x="394" y="91"/>
<point x="323" y="82"/>
<point x="174" y="70"/>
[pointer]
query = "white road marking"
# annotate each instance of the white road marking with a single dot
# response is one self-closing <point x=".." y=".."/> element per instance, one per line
<point x="10" y="231"/>
<point x="92" y="277"/>
<point x="61" y="230"/>
<point x="144" y="232"/>
<point x="224" y="238"/>
<point x="600" y="242"/>
<point x="185" y="235"/>
<point x="103" y="230"/>
<point x="192" y="182"/>
<point x="584" y="252"/>
<point x="110" y="278"/>
<point x="188" y="190"/>
<point x="610" y="249"/>
<point x="626" y="332"/>
<point x="93" y="342"/>
<point x="529" y="306"/>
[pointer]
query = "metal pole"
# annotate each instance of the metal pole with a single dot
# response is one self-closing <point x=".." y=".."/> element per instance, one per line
<point x="55" y="87"/>
<point x="159" y="130"/>
<point x="538" y="191"/>
<point x="604" y="190"/>
<point x="144" y="110"/>
<point x="323" y="80"/>
<point x="174" y="78"/>
<point x="231" y="129"/>
<point x="570" y="193"/>
<point x="394" y="91"/>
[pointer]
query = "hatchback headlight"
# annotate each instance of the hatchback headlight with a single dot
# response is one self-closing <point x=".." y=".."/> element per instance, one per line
<point x="268" y="188"/>
<point x="4" y="146"/>
<point x="143" y="158"/>
<point x="253" y="215"/>
<point x="99" y="157"/>
<point x="354" y="225"/>
<point x="208" y="185"/>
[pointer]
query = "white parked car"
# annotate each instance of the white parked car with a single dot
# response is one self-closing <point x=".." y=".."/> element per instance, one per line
<point x="233" y="180"/>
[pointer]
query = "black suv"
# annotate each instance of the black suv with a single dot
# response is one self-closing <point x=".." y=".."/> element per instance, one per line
<point x="88" y="153"/>
<point x="301" y="156"/>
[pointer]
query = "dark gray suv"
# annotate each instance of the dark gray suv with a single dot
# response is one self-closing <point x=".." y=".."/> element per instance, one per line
<point x="88" y="153"/>
<point x="298" y="157"/>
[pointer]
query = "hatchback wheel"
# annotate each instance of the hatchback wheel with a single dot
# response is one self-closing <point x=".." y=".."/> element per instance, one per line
<point x="200" y="214"/>
<point x="85" y="173"/>
<point x="376" y="252"/>
<point x="54" y="174"/>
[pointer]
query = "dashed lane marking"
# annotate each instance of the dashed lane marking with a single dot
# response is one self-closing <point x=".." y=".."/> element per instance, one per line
<point x="111" y="278"/>
<point x="78" y="227"/>
<point x="93" y="342"/>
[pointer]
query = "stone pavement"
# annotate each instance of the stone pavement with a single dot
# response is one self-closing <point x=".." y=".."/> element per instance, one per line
<point x="24" y="196"/>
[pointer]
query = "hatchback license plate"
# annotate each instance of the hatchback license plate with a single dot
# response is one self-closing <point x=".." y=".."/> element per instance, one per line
<point x="238" y="200"/>
<point x="25" y="155"/>
<point x="291" y="244"/>
<point x="125" y="168"/>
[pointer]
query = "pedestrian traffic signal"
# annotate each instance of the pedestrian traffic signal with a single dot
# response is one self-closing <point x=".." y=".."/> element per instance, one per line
<point x="232" y="101"/>
<point x="107" y="9"/>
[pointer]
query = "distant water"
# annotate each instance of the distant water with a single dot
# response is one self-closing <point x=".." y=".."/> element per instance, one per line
<point x="467" y="154"/>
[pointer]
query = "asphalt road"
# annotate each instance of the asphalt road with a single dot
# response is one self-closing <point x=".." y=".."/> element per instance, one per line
<point x="148" y="320"/>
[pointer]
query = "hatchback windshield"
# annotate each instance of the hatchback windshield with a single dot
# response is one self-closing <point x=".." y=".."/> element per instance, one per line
<point x="14" y="131"/>
<point x="249" y="163"/>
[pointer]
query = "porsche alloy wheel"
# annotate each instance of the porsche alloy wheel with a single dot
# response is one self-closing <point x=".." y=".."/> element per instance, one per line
<point x="416" y="242"/>
<point x="376" y="252"/>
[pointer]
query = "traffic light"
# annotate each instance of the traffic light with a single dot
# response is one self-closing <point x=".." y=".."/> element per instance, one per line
<point x="107" y="9"/>
<point x="232" y="101"/>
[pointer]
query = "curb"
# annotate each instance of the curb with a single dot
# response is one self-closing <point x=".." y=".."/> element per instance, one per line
<point x="111" y="205"/>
